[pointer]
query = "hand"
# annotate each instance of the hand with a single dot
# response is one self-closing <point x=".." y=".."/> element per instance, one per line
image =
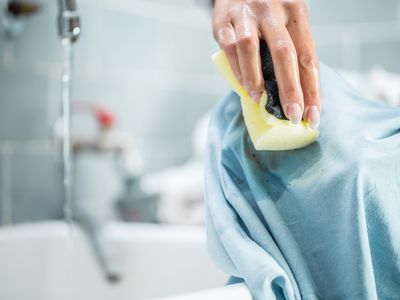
<point x="238" y="25"/>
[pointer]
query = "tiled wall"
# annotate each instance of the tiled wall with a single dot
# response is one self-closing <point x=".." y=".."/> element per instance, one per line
<point x="148" y="60"/>
<point x="357" y="34"/>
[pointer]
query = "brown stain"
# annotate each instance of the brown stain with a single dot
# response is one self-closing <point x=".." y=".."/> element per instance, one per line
<point x="272" y="162"/>
<point x="255" y="159"/>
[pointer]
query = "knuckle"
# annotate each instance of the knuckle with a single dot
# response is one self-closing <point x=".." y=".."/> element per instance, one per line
<point x="237" y="10"/>
<point x="294" y="3"/>
<point x="229" y="47"/>
<point x="312" y="94"/>
<point x="307" y="61"/>
<point x="302" y="7"/>
<point x="218" y="21"/>
<point x="220" y="31"/>
<point x="254" y="83"/>
<point x="216" y="36"/>
<point x="292" y="93"/>
<point x="262" y="5"/>
<point x="247" y="43"/>
<point x="296" y="7"/>
<point x="283" y="52"/>
<point x="216" y="32"/>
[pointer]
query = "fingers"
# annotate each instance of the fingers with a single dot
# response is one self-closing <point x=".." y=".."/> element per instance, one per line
<point x="226" y="38"/>
<point x="238" y="25"/>
<point x="247" y="44"/>
<point x="286" y="68"/>
<point x="241" y="45"/>
<point x="299" y="31"/>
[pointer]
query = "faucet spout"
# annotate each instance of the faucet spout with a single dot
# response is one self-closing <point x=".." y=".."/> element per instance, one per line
<point x="68" y="20"/>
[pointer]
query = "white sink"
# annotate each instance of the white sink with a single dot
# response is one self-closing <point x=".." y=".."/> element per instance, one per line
<point x="48" y="261"/>
<point x="237" y="291"/>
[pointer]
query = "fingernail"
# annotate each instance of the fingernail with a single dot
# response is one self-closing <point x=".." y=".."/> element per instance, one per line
<point x="293" y="112"/>
<point x="255" y="96"/>
<point x="312" y="116"/>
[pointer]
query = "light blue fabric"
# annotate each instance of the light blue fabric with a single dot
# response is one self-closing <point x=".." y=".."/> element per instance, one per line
<point x="322" y="222"/>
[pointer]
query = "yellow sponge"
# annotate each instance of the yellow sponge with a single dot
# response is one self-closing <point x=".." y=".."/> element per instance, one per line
<point x="266" y="131"/>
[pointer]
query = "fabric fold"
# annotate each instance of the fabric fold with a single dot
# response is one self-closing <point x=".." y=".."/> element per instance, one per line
<point x="322" y="222"/>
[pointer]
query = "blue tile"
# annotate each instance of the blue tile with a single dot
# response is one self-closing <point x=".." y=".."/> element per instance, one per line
<point x="344" y="11"/>
<point x="186" y="48"/>
<point x="39" y="42"/>
<point x="165" y="152"/>
<point x="1" y="188"/>
<point x="154" y="111"/>
<point x="23" y="102"/>
<point x="37" y="192"/>
<point x="383" y="53"/>
<point x="127" y="41"/>
<point x="161" y="122"/>
<point x="2" y="45"/>
<point x="330" y="54"/>
<point x="175" y="113"/>
<point x="88" y="49"/>
<point x="5" y="188"/>
<point x="183" y="110"/>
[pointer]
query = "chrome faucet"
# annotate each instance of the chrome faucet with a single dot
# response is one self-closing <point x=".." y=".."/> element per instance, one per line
<point x="68" y="30"/>
<point x="68" y="20"/>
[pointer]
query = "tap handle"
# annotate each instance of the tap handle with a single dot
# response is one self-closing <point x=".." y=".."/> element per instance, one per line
<point x="67" y="5"/>
<point x="68" y="20"/>
<point x="20" y="8"/>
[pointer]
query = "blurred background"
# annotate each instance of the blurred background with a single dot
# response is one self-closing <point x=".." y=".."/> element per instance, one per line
<point x="143" y="85"/>
<point x="148" y="62"/>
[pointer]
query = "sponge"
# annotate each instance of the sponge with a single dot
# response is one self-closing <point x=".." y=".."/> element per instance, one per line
<point x="266" y="131"/>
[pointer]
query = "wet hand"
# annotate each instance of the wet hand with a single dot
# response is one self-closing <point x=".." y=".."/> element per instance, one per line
<point x="238" y="25"/>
